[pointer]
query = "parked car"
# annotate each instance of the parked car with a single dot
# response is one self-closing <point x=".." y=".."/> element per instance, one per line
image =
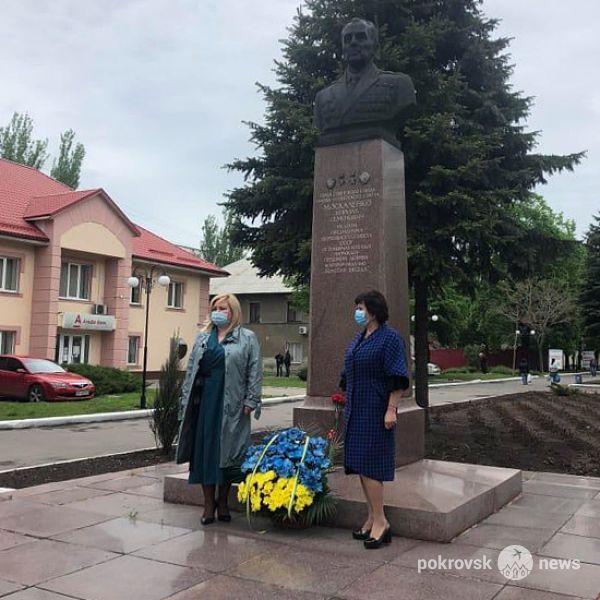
<point x="38" y="379"/>
<point x="433" y="369"/>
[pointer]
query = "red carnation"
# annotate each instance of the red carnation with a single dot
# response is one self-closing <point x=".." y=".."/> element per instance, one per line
<point x="338" y="398"/>
<point x="331" y="434"/>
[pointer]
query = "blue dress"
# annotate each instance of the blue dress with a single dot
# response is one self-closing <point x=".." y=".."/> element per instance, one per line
<point x="373" y="367"/>
<point x="204" y="462"/>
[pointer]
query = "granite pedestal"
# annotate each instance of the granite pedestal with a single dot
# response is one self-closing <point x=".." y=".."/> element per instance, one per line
<point x="428" y="500"/>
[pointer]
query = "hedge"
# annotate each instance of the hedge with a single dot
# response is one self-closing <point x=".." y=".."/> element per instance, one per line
<point x="108" y="380"/>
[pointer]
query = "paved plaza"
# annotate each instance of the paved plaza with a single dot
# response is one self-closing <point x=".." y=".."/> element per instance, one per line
<point x="111" y="537"/>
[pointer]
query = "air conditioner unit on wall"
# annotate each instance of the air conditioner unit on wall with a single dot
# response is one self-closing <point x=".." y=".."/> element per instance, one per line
<point x="303" y="330"/>
<point x="99" y="309"/>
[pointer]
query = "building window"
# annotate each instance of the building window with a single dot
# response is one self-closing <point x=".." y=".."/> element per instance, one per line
<point x="9" y="267"/>
<point x="133" y="351"/>
<point x="295" y="352"/>
<point x="254" y="312"/>
<point x="73" y="349"/>
<point x="292" y="313"/>
<point x="7" y="342"/>
<point x="175" y="295"/>
<point x="75" y="281"/>
<point x="136" y="295"/>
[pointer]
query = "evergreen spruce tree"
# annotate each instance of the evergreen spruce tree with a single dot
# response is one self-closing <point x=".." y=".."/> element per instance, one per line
<point x="469" y="159"/>
<point x="590" y="295"/>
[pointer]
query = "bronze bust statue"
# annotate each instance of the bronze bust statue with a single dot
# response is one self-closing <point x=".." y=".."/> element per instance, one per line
<point x="365" y="103"/>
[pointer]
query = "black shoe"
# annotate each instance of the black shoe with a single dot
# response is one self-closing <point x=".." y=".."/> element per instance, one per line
<point x="226" y="518"/>
<point x="361" y="534"/>
<point x="386" y="538"/>
<point x="208" y="520"/>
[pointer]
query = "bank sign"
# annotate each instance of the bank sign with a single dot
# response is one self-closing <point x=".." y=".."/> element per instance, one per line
<point x="88" y="322"/>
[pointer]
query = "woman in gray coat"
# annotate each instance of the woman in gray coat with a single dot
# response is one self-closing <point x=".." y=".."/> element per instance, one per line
<point x="222" y="387"/>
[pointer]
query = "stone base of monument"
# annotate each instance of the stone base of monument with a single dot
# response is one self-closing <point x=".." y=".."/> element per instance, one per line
<point x="429" y="499"/>
<point x="317" y="416"/>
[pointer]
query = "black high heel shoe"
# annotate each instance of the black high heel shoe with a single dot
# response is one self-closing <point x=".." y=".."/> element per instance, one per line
<point x="208" y="520"/>
<point x="226" y="518"/>
<point x="385" y="538"/>
<point x="361" y="534"/>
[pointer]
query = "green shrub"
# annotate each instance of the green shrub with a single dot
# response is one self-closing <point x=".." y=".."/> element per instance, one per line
<point x="108" y="380"/>
<point x="472" y="355"/>
<point x="164" y="422"/>
<point x="502" y="370"/>
<point x="561" y="390"/>
<point x="303" y="373"/>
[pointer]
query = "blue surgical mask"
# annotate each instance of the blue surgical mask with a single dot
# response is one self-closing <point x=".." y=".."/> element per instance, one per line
<point x="219" y="318"/>
<point x="360" y="316"/>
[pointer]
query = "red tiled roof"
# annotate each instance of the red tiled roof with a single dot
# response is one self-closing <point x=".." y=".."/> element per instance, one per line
<point x="26" y="193"/>
<point x="151" y="247"/>
<point x="43" y="206"/>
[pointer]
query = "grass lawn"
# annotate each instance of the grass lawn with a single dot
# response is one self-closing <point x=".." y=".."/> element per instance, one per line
<point x="10" y="410"/>
<point x="292" y="381"/>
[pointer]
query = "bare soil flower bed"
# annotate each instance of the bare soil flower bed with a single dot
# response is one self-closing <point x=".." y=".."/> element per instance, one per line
<point x="536" y="431"/>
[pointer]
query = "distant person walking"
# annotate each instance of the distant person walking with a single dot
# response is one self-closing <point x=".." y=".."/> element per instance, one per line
<point x="279" y="364"/>
<point x="287" y="361"/>
<point x="593" y="366"/>
<point x="483" y="362"/>
<point x="553" y="373"/>
<point x="524" y="371"/>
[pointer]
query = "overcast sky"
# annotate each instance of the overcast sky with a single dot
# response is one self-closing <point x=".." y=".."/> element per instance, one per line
<point x="157" y="91"/>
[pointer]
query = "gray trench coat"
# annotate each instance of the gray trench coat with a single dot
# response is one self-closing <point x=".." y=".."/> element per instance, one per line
<point x="243" y="387"/>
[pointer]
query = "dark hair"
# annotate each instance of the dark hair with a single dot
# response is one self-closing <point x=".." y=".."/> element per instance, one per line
<point x="375" y="303"/>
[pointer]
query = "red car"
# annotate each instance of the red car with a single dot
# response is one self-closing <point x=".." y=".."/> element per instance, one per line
<point x="38" y="379"/>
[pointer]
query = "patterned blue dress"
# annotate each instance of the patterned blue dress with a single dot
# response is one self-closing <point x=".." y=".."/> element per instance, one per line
<point x="373" y="367"/>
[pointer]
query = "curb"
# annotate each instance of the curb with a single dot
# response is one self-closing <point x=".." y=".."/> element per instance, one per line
<point x="110" y="416"/>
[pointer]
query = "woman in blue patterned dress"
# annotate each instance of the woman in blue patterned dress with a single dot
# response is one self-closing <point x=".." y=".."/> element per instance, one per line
<point x="374" y="376"/>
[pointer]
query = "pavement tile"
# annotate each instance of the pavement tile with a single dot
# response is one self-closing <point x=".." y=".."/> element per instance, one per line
<point x="154" y="490"/>
<point x="401" y="583"/>
<point x="567" y="479"/>
<point x="214" y="550"/>
<point x="306" y="570"/>
<point x="6" y="587"/>
<point x="36" y="594"/>
<point x="42" y="488"/>
<point x="526" y="517"/>
<point x="121" y="535"/>
<point x="122" y="484"/>
<point x="118" y="504"/>
<point x="8" y="539"/>
<point x="515" y="593"/>
<point x="16" y="506"/>
<point x="581" y="525"/>
<point x="500" y="536"/>
<point x="66" y="496"/>
<point x="223" y="587"/>
<point x="590" y="509"/>
<point x="562" y="545"/>
<point x="45" y="521"/>
<point x="330" y="539"/>
<point x="456" y="552"/>
<point x="550" y="504"/>
<point x="127" y="578"/>
<point x="40" y="560"/>
<point x="175" y="515"/>
<point x="583" y="582"/>
<point x="545" y="488"/>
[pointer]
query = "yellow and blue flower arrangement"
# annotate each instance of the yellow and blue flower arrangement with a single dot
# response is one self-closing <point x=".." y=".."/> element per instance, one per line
<point x="286" y="478"/>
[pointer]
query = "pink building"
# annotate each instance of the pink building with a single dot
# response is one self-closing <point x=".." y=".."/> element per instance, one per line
<point x="65" y="257"/>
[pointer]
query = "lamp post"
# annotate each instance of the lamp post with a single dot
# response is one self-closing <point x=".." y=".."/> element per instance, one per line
<point x="525" y="332"/>
<point x="145" y="279"/>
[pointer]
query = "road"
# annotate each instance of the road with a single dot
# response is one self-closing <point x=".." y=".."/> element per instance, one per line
<point x="28" y="447"/>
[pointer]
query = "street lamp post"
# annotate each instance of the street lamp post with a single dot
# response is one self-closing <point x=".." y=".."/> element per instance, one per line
<point x="525" y="332"/>
<point x="144" y="279"/>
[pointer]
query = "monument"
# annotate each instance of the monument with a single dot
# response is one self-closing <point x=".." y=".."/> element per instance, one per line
<point x="359" y="223"/>
<point x="359" y="243"/>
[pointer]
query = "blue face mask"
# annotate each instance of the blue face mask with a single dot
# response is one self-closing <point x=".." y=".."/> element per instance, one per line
<point x="360" y="316"/>
<point x="219" y="318"/>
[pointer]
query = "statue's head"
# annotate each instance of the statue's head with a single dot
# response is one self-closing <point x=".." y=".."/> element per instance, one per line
<point x="359" y="43"/>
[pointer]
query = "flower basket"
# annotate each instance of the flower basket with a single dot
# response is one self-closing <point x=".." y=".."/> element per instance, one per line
<point x="286" y="479"/>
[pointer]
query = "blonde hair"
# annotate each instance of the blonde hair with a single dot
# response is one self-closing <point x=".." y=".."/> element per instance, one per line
<point x="234" y="307"/>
